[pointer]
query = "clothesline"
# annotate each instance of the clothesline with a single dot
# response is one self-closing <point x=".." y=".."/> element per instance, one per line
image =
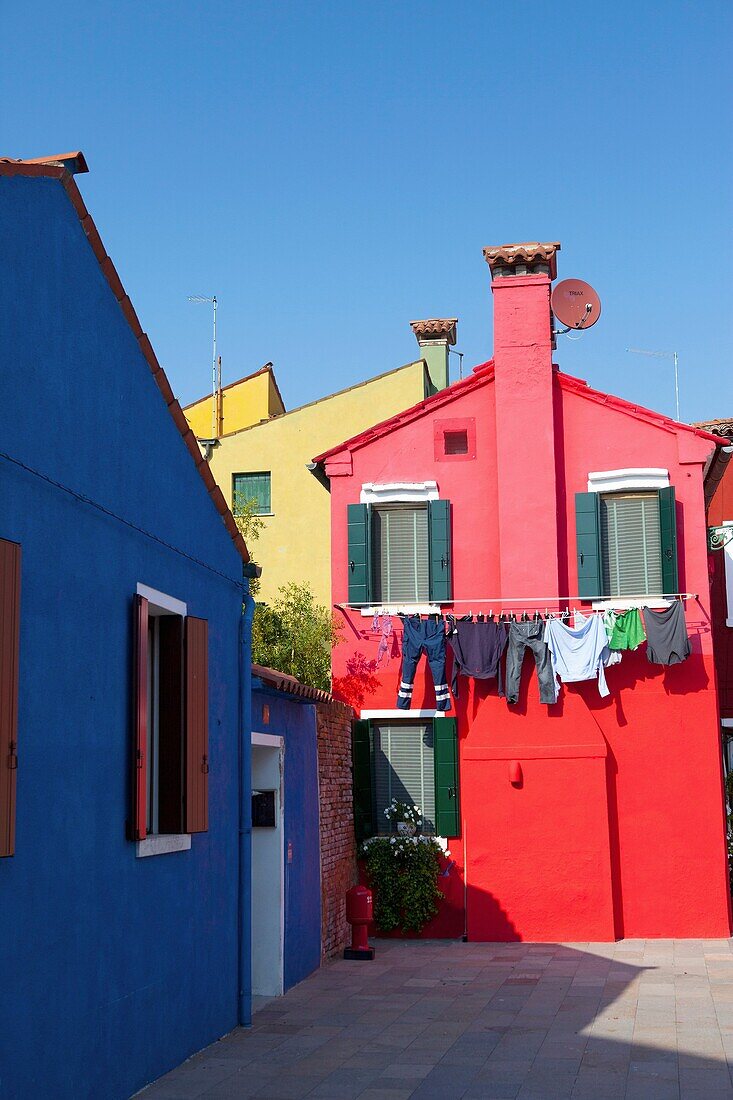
<point x="530" y="604"/>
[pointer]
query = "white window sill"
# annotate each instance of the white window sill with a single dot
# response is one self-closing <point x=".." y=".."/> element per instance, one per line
<point x="400" y="609"/>
<point x="407" y="714"/>
<point x="623" y="603"/>
<point x="162" y="844"/>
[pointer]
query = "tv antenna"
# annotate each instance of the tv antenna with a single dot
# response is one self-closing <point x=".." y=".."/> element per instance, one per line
<point x="664" y="355"/>
<point x="215" y="368"/>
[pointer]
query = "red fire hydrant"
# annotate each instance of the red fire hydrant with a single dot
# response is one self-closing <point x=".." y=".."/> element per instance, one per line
<point x="359" y="914"/>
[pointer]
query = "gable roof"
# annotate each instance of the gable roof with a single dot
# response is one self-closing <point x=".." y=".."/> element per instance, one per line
<point x="54" y="167"/>
<point x="719" y="427"/>
<point x="267" y="369"/>
<point x="485" y="373"/>
<point x="322" y="400"/>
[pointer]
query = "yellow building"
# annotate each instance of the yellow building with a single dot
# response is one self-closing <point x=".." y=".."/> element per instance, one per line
<point x="240" y="404"/>
<point x="266" y="457"/>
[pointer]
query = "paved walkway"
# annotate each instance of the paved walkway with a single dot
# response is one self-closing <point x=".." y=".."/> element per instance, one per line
<point x="434" y="1020"/>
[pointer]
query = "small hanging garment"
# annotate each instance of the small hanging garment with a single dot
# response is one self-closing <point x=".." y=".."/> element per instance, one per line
<point x="627" y="630"/>
<point x="580" y="653"/>
<point x="385" y="640"/>
<point x="422" y="634"/>
<point x="477" y="650"/>
<point x="666" y="631"/>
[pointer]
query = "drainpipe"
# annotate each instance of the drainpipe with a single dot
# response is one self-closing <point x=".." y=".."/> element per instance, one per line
<point x="244" y="882"/>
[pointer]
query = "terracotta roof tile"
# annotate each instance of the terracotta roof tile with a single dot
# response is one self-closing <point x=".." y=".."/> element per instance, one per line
<point x="435" y="327"/>
<point x="288" y="685"/>
<point x="722" y="427"/>
<point x="54" y="168"/>
<point x="74" y="163"/>
<point x="525" y="252"/>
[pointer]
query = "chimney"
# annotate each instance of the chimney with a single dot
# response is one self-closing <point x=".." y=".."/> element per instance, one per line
<point x="435" y="336"/>
<point x="521" y="275"/>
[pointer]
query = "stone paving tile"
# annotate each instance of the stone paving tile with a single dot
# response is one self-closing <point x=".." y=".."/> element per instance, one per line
<point x="643" y="1020"/>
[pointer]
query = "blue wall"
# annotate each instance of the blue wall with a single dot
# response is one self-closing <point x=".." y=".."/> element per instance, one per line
<point x="296" y="723"/>
<point x="114" y="968"/>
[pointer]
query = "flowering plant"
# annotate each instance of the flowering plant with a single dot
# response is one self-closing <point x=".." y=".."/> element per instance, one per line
<point x="403" y="870"/>
<point x="403" y="812"/>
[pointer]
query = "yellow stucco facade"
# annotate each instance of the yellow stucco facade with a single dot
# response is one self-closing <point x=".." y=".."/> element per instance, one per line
<point x="248" y="401"/>
<point x="295" y="543"/>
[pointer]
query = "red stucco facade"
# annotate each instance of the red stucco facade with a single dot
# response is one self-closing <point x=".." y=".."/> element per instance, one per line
<point x="616" y="828"/>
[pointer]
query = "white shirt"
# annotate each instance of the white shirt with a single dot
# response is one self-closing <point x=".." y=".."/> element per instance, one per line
<point x="578" y="653"/>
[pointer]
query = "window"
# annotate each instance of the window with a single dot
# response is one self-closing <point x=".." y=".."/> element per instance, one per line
<point x="404" y="770"/>
<point x="626" y="542"/>
<point x="456" y="443"/>
<point x="252" y="487"/>
<point x="170" y="762"/>
<point x="400" y="553"/>
<point x="415" y="762"/>
<point x="10" y="568"/>
<point x="631" y="552"/>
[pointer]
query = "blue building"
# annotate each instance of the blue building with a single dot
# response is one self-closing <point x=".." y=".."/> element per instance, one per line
<point x="286" y="840"/>
<point x="124" y="681"/>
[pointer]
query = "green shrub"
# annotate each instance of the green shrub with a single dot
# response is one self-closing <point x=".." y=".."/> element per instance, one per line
<point x="403" y="872"/>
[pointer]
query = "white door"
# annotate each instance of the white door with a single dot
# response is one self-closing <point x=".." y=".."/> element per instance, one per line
<point x="267" y="871"/>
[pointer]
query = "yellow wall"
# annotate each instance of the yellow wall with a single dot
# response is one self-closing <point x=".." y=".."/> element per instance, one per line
<point x="246" y="402"/>
<point x="295" y="544"/>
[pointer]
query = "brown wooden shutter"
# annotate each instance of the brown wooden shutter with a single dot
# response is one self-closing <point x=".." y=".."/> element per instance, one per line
<point x="197" y="725"/>
<point x="138" y="785"/>
<point x="9" y="650"/>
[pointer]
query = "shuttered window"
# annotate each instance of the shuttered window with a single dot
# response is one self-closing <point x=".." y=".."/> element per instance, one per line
<point x="9" y="656"/>
<point x="252" y="487"/>
<point x="631" y="548"/>
<point x="170" y="761"/>
<point x="404" y="769"/>
<point x="400" y="553"/>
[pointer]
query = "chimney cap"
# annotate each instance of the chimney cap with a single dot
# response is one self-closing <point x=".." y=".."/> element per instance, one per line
<point x="523" y="254"/>
<point x="435" y="330"/>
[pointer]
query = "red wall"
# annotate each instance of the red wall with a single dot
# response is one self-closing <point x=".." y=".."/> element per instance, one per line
<point x="721" y="511"/>
<point x="617" y="828"/>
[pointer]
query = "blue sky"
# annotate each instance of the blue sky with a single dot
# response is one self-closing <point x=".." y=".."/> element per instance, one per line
<point x="332" y="171"/>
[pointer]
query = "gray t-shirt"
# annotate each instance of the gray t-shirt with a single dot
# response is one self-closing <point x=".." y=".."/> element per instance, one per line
<point x="666" y="632"/>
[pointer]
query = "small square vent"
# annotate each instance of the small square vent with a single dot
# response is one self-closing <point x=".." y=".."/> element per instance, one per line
<point x="456" y="442"/>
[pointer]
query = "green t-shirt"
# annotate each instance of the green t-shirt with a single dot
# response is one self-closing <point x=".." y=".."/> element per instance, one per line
<point x="628" y="630"/>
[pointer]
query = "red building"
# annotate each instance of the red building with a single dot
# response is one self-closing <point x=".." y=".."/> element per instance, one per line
<point x="720" y="542"/>
<point x="516" y="488"/>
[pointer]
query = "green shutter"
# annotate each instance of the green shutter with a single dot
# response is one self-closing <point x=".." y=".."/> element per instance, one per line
<point x="447" y="803"/>
<point x="668" y="539"/>
<point x="358" y="563"/>
<point x="440" y="550"/>
<point x="587" y="533"/>
<point x="361" y="764"/>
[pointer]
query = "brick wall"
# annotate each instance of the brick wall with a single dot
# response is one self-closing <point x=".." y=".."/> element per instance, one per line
<point x="338" y="855"/>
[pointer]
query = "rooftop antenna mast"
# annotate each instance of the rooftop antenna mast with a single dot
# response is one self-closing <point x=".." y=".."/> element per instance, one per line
<point x="215" y="368"/>
<point x="664" y="355"/>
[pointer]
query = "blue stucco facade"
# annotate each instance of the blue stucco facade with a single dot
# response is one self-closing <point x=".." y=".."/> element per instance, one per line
<point x="295" y="722"/>
<point x="114" y="968"/>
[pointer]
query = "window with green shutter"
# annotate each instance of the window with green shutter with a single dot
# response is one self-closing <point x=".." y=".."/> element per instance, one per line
<point x="413" y="762"/>
<point x="627" y="543"/>
<point x="247" y="488"/>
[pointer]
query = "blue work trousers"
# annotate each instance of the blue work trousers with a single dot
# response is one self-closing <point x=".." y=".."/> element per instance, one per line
<point x="423" y="634"/>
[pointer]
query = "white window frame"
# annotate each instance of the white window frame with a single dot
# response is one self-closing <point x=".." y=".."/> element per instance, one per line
<point x="728" y="576"/>
<point x="158" y="844"/>
<point x="399" y="492"/>
<point x="630" y="480"/>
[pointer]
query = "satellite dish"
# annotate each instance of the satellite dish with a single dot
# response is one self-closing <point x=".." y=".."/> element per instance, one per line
<point x="575" y="303"/>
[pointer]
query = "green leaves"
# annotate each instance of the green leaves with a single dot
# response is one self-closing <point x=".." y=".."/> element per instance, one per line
<point x="403" y="872"/>
<point x="295" y="635"/>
